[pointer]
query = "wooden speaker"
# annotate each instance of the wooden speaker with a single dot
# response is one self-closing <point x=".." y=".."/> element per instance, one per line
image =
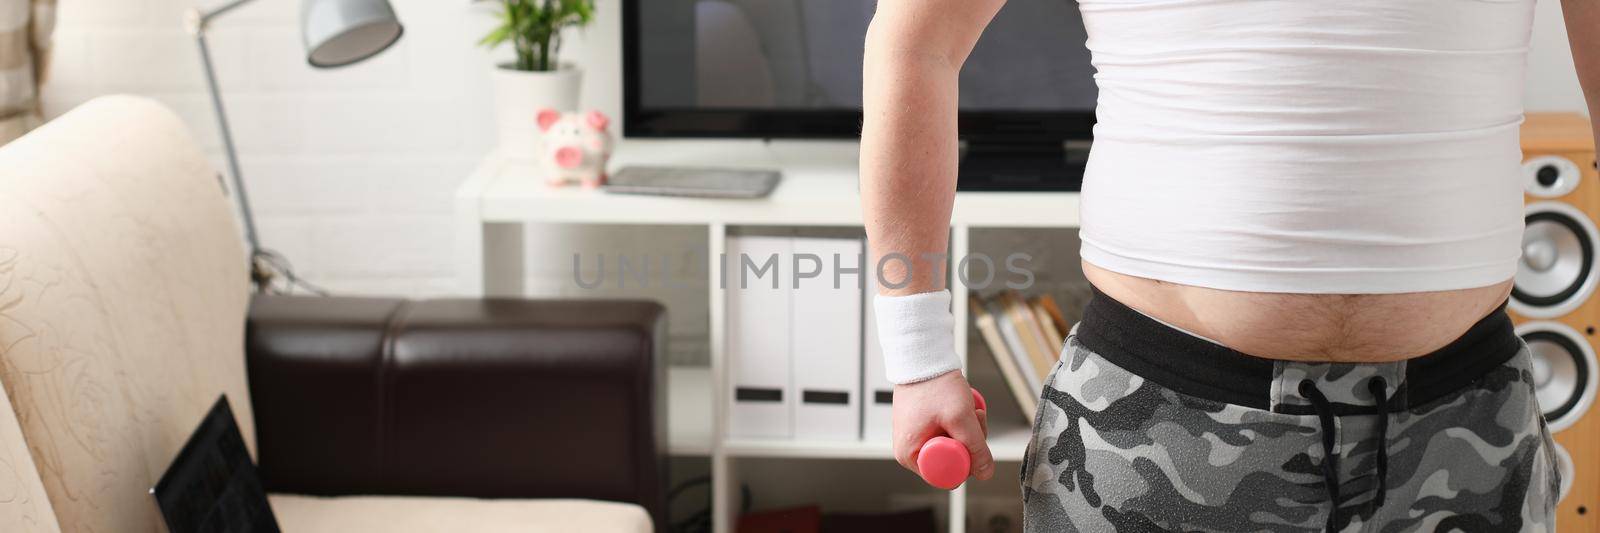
<point x="1554" y="303"/>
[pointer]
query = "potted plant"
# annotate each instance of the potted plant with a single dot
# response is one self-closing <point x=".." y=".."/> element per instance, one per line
<point x="536" y="78"/>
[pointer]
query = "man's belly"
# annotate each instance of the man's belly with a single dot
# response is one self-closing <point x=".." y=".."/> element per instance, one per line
<point x="1308" y="327"/>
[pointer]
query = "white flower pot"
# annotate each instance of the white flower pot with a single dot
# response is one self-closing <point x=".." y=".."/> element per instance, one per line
<point x="518" y="97"/>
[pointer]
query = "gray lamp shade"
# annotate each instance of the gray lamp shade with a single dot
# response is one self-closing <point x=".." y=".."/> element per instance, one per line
<point x="341" y="32"/>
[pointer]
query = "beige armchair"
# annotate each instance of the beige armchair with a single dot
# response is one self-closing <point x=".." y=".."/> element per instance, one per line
<point x="123" y="295"/>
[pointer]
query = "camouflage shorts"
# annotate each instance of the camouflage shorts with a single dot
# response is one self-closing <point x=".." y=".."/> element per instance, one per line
<point x="1145" y="428"/>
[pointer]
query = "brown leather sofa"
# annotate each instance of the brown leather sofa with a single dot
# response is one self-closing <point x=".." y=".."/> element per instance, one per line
<point x="124" y="305"/>
<point x="462" y="397"/>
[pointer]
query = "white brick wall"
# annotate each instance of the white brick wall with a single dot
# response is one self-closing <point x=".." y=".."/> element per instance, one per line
<point x="352" y="169"/>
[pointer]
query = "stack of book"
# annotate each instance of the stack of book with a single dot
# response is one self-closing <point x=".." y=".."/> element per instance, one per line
<point x="1025" y="335"/>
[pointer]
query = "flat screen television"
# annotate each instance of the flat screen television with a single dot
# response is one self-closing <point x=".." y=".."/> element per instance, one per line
<point x="773" y="69"/>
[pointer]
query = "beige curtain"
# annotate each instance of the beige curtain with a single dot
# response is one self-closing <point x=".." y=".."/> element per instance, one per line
<point x="25" y="27"/>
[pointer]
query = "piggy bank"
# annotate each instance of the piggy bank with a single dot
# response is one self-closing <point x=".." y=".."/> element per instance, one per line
<point x="574" y="147"/>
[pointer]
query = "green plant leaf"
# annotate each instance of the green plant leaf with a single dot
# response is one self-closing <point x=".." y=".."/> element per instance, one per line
<point x="533" y="27"/>
<point x="496" y="37"/>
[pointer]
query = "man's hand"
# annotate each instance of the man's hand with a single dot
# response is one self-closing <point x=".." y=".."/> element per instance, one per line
<point x="940" y="406"/>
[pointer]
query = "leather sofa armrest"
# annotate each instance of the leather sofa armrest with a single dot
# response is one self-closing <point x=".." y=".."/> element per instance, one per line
<point x="496" y="398"/>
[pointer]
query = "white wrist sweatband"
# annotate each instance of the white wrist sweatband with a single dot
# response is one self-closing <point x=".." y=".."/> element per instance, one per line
<point x="917" y="334"/>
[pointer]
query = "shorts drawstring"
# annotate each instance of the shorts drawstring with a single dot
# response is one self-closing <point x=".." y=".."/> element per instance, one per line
<point x="1380" y="391"/>
<point x="1330" y="461"/>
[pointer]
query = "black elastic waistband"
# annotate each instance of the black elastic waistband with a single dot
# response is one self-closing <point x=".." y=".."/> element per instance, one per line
<point x="1198" y="367"/>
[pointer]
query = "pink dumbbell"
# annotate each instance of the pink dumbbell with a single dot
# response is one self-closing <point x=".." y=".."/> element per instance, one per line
<point x="944" y="462"/>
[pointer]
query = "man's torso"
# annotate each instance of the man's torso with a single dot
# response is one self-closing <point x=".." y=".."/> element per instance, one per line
<point x="1307" y="181"/>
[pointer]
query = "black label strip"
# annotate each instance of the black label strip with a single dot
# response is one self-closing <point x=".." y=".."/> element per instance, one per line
<point x="745" y="394"/>
<point x="829" y="397"/>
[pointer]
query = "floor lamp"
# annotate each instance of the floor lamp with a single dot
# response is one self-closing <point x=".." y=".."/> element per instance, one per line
<point x="335" y="33"/>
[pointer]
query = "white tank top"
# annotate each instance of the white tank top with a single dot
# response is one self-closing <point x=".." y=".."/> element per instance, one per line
<point x="1299" y="146"/>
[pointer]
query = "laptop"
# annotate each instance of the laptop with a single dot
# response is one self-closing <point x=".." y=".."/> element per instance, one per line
<point x="694" y="182"/>
<point x="212" y="486"/>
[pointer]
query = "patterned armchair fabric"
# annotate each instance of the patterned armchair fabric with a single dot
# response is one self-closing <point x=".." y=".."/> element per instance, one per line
<point x="123" y="291"/>
<point x="25" y="27"/>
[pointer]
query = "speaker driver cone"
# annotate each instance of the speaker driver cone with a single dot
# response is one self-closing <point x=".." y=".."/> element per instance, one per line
<point x="1550" y="176"/>
<point x="1565" y="373"/>
<point x="1557" y="271"/>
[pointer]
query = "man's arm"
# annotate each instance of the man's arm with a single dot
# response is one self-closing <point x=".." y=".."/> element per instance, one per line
<point x="909" y="155"/>
<point x="1583" y="19"/>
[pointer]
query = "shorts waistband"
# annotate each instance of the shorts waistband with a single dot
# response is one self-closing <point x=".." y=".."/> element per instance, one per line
<point x="1201" y="368"/>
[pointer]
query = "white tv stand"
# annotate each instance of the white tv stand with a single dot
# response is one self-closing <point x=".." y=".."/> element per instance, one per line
<point x="818" y="189"/>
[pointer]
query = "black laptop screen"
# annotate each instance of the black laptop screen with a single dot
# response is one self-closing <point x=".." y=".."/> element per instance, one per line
<point x="212" y="487"/>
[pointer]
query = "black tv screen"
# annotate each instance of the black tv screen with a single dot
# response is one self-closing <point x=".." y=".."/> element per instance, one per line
<point x="792" y="68"/>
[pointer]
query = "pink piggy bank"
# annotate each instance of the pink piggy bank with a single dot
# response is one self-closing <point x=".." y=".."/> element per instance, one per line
<point x="575" y="147"/>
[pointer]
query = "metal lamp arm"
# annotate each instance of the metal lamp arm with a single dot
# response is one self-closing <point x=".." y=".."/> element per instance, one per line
<point x="327" y="30"/>
<point x="196" y="20"/>
<point x="202" y="17"/>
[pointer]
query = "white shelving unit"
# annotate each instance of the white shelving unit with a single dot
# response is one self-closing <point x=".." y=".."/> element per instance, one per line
<point x="818" y="189"/>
